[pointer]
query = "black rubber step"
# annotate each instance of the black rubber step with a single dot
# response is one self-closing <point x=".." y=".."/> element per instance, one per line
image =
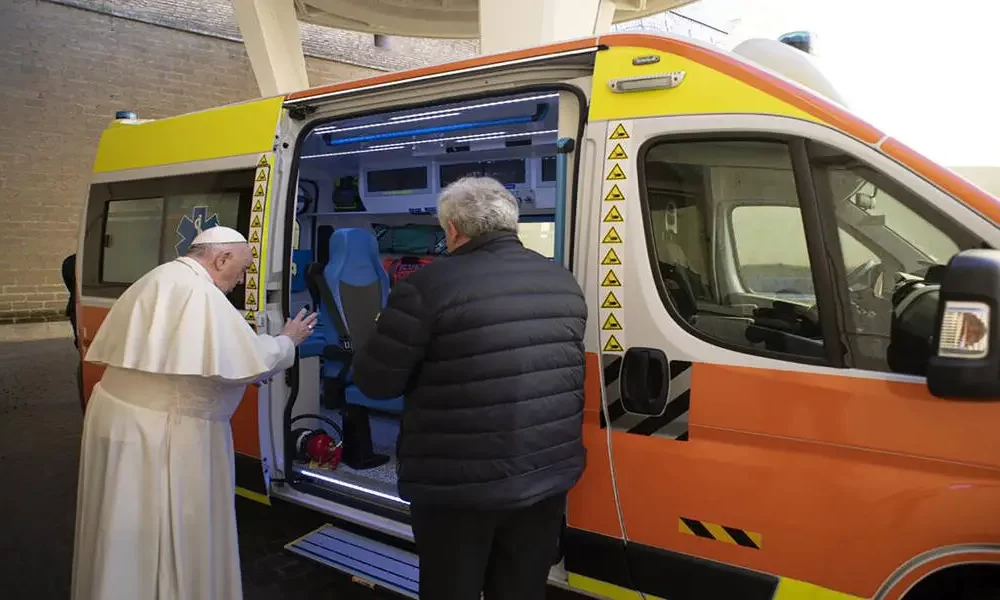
<point x="373" y="562"/>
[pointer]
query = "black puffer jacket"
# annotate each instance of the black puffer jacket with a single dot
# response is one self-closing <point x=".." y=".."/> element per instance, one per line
<point x="487" y="348"/>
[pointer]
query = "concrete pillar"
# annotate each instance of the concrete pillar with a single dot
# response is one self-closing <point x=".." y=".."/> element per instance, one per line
<point x="270" y="32"/>
<point x="513" y="24"/>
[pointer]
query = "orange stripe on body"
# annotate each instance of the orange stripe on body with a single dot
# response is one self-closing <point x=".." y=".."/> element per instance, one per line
<point x="794" y="456"/>
<point x="803" y="99"/>
<point x="948" y="181"/>
<point x="592" y="504"/>
<point x="479" y="61"/>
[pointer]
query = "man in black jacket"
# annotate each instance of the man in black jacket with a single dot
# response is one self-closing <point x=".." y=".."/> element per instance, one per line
<point x="486" y="346"/>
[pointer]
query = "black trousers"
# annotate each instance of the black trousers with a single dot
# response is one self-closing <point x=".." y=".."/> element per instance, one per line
<point x="505" y="554"/>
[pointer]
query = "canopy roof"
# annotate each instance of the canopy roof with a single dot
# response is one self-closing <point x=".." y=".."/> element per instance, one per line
<point x="432" y="18"/>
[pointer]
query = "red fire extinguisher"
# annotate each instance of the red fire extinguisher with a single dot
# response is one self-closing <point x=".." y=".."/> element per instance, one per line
<point x="317" y="445"/>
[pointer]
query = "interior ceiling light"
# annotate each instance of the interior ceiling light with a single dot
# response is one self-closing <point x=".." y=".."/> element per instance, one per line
<point x="413" y="119"/>
<point x="461" y="138"/>
<point x="483" y="105"/>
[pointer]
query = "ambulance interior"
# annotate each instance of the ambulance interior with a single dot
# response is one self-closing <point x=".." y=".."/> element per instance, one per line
<point x="365" y="220"/>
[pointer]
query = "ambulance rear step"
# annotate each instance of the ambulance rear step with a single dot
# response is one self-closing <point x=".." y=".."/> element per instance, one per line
<point x="369" y="562"/>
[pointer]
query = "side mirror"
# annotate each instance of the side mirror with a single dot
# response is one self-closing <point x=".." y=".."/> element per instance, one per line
<point x="966" y="350"/>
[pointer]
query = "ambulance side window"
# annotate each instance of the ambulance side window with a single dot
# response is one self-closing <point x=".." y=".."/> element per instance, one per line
<point x="133" y="226"/>
<point x="729" y="244"/>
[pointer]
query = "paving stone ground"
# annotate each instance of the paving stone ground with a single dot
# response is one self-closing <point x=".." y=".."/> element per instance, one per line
<point x="40" y="421"/>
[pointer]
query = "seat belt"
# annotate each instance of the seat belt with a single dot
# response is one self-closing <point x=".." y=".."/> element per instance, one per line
<point x="326" y="297"/>
<point x="335" y="394"/>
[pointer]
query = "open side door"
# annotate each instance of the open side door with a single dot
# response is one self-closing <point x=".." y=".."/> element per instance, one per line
<point x="156" y="184"/>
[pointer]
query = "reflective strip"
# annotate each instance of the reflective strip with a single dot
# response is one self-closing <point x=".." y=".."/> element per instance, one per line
<point x="255" y="496"/>
<point x="788" y="589"/>
<point x="603" y="589"/>
<point x="792" y="589"/>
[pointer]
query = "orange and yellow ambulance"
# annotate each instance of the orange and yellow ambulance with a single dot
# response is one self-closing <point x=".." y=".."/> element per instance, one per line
<point x="793" y="359"/>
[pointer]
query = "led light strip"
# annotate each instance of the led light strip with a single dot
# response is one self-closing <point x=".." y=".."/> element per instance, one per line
<point x="401" y="120"/>
<point x="433" y="114"/>
<point x="355" y="487"/>
<point x="461" y="138"/>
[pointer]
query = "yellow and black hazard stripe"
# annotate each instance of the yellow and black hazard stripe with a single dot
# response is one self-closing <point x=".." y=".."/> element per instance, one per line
<point x="720" y="533"/>
<point x="671" y="424"/>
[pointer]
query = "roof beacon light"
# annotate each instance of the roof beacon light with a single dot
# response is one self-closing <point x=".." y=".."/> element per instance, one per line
<point x="965" y="330"/>
<point x="662" y="81"/>
<point x="125" y="115"/>
<point x="802" y="40"/>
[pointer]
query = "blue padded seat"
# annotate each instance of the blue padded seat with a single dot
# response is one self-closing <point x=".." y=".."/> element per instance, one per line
<point x="359" y="285"/>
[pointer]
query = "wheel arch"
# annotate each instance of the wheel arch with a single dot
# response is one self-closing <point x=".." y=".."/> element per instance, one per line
<point x="925" y="571"/>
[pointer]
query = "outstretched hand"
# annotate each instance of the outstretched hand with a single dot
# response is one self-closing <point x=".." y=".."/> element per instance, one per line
<point x="301" y="327"/>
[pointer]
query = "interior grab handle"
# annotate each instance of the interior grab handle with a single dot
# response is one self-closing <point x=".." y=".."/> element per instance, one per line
<point x="564" y="148"/>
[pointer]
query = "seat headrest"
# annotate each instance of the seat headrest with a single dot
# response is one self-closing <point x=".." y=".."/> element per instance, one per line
<point x="354" y="257"/>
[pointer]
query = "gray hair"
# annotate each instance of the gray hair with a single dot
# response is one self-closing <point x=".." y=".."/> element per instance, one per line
<point x="478" y="205"/>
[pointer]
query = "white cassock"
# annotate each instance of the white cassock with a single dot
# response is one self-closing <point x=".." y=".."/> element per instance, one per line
<point x="155" y="513"/>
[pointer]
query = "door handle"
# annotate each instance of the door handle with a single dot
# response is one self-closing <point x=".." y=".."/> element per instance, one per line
<point x="645" y="381"/>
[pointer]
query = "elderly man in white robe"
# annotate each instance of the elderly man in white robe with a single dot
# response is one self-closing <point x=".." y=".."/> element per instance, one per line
<point x="155" y="508"/>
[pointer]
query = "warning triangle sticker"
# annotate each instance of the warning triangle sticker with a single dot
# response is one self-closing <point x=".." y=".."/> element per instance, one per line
<point x="251" y="317"/>
<point x="260" y="189"/>
<point x="261" y="175"/>
<point x="614" y="195"/>
<point x="611" y="301"/>
<point x="611" y="280"/>
<point x="613" y="216"/>
<point x="262" y="163"/>
<point x="256" y="221"/>
<point x="258" y="207"/>
<point x="254" y="237"/>
<point x="616" y="174"/>
<point x="612" y="237"/>
<point x="256" y="254"/>
<point x="611" y="323"/>
<point x="251" y="301"/>
<point x="619" y="133"/>
<point x="618" y="153"/>
<point x="611" y="259"/>
<point x="612" y="345"/>
<point x="253" y="267"/>
<point x="251" y="284"/>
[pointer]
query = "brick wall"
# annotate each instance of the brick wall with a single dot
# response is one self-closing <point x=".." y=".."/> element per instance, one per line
<point x="64" y="71"/>
<point x="217" y="18"/>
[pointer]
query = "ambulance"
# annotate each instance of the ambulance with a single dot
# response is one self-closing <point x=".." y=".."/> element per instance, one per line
<point x="793" y="362"/>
